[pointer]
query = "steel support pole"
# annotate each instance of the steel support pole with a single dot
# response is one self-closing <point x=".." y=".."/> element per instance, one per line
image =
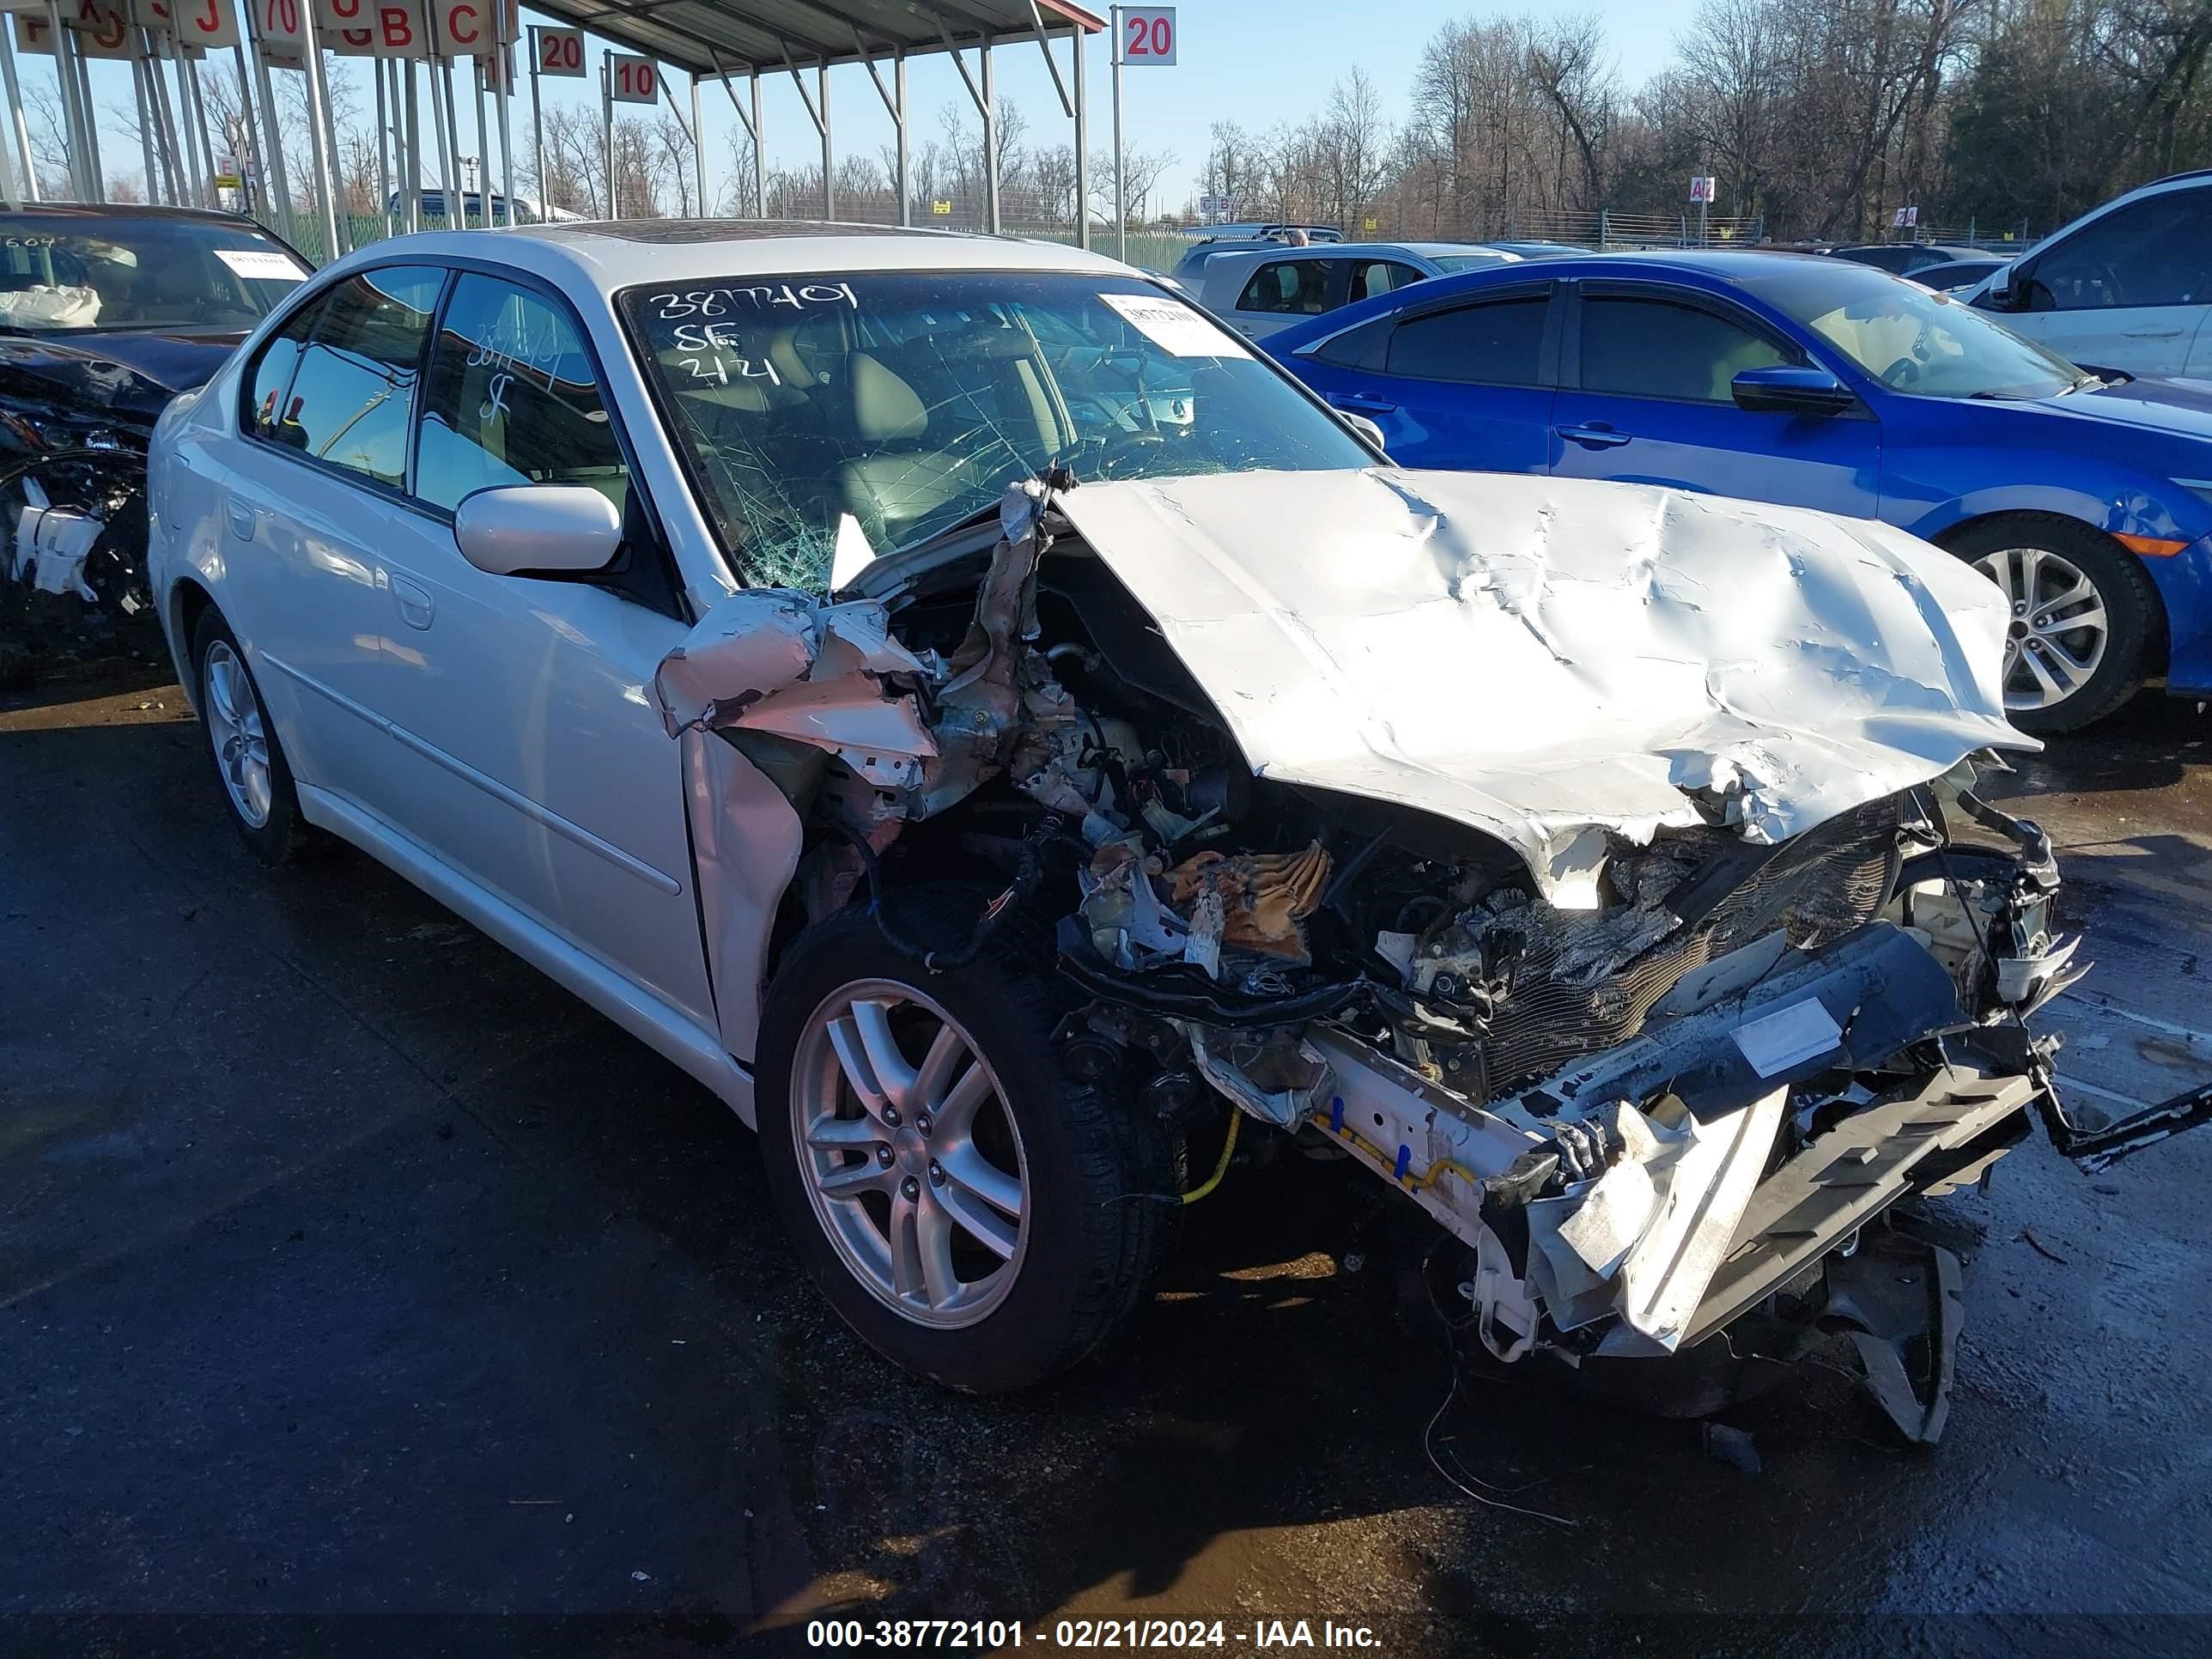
<point x="1082" y="44"/>
<point x="505" y="117"/>
<point x="457" y="197"/>
<point x="699" y="150"/>
<point x="276" y="178"/>
<point x="760" y="147"/>
<point x="383" y="144"/>
<point x="192" y="111"/>
<point x="15" y="120"/>
<point x="607" y="97"/>
<point x="483" y="141"/>
<point x="154" y="192"/>
<point x="829" y="145"/>
<point x="324" y="146"/>
<point x="91" y="116"/>
<point x="990" y="145"/>
<point x="905" y="172"/>
<point x="179" y="164"/>
<point x="538" y="128"/>
<point x="72" y="120"/>
<point x="1120" y="177"/>
<point x="411" y="154"/>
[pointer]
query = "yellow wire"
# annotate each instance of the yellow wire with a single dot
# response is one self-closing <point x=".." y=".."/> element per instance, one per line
<point x="1221" y="1167"/>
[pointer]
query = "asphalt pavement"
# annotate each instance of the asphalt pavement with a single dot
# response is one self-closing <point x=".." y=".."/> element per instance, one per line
<point x="361" y="1290"/>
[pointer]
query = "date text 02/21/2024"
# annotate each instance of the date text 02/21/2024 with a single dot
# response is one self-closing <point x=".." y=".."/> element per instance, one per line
<point x="1262" y="1635"/>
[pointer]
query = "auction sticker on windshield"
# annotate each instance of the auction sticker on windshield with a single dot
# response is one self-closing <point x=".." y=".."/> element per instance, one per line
<point x="1175" y="327"/>
<point x="260" y="264"/>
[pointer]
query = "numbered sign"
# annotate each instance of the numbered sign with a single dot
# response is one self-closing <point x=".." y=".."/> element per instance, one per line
<point x="347" y="27"/>
<point x="1146" y="34"/>
<point x="153" y="16"/>
<point x="467" y="29"/>
<point x="634" y="80"/>
<point x="497" y="72"/>
<point x="558" y="51"/>
<point x="398" y="28"/>
<point x="206" y="22"/>
<point x="281" y="25"/>
<point x="102" y="28"/>
<point x="1701" y="190"/>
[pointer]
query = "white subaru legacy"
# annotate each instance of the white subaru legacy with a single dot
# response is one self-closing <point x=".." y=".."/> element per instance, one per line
<point x="1028" y="757"/>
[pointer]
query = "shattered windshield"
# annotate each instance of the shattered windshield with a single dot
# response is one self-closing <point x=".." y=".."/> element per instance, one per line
<point x="74" y="273"/>
<point x="910" y="400"/>
<point x="1908" y="338"/>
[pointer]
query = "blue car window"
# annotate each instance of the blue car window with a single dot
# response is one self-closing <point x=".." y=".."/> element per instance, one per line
<point x="1501" y="343"/>
<point x="1654" y="349"/>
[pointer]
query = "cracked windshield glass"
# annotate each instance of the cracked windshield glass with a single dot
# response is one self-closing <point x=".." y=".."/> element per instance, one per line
<point x="910" y="401"/>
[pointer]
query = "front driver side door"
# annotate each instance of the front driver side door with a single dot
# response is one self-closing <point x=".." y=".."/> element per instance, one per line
<point x="537" y="761"/>
<point x="1645" y="398"/>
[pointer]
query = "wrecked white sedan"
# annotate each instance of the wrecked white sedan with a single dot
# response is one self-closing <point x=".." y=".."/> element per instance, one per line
<point x="955" y="701"/>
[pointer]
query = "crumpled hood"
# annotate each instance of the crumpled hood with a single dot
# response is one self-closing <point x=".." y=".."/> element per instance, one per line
<point x="1548" y="660"/>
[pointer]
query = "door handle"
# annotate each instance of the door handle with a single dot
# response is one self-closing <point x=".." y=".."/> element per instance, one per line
<point x="2150" y="333"/>
<point x="416" y="608"/>
<point x="242" y="518"/>
<point x="1365" y="402"/>
<point x="1596" y="435"/>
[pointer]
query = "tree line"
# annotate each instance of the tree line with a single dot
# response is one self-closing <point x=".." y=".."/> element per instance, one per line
<point x="1821" y="118"/>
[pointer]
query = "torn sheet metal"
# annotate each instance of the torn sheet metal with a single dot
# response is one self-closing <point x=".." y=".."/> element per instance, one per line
<point x="1538" y="657"/>
<point x="52" y="545"/>
<point x="755" y="644"/>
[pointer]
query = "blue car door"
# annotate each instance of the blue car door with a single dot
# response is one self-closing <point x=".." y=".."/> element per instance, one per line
<point x="1644" y="397"/>
<point x="1456" y="384"/>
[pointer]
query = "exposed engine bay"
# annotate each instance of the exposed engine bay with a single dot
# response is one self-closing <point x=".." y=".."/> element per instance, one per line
<point x="1653" y="1080"/>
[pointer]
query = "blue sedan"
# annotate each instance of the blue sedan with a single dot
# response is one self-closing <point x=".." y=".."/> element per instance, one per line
<point x="1820" y="383"/>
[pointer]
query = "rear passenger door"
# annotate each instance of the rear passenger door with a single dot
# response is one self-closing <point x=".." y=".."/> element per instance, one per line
<point x="1462" y="385"/>
<point x="1645" y="397"/>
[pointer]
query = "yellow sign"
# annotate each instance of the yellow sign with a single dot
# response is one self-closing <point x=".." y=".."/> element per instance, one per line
<point x="943" y="209"/>
<point x="228" y="181"/>
<point x="2007" y="236"/>
<point x="1373" y="225"/>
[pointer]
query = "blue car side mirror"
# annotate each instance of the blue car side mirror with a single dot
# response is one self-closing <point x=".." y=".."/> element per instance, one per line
<point x="1790" y="389"/>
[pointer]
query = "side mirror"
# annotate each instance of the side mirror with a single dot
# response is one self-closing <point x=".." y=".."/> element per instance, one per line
<point x="539" y="529"/>
<point x="1790" y="389"/>
<point x="1365" y="428"/>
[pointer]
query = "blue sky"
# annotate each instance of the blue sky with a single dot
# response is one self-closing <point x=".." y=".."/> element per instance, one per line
<point x="1260" y="61"/>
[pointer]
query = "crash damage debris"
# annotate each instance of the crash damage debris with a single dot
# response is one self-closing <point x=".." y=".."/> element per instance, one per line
<point x="1559" y="858"/>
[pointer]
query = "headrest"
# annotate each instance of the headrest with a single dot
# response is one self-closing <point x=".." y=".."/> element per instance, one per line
<point x="884" y="407"/>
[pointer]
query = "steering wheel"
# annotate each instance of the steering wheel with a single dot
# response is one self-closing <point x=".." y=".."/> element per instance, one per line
<point x="1902" y="374"/>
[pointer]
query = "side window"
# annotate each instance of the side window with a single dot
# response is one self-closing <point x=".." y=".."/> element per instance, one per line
<point x="1372" y="276"/>
<point x="2157" y="252"/>
<point x="513" y="399"/>
<point x="1654" y="349"/>
<point x="1298" y="287"/>
<point x="270" y="381"/>
<point x="1501" y="343"/>
<point x="354" y="390"/>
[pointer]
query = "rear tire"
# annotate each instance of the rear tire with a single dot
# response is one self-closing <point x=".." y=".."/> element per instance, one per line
<point x="2083" y="613"/>
<point x="866" y="1173"/>
<point x="250" y="767"/>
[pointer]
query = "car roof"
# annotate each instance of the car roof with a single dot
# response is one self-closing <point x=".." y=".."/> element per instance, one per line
<point x="131" y="211"/>
<point x="613" y="254"/>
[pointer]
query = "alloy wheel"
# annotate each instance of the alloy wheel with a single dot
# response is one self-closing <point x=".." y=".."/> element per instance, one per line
<point x="234" y="728"/>
<point x="910" y="1158"/>
<point x="2059" y="632"/>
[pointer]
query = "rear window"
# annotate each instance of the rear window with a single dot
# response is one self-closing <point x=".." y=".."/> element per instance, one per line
<point x="1500" y="343"/>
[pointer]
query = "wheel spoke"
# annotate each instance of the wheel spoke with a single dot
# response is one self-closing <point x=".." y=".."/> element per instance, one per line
<point x="945" y="1054"/>
<point x="832" y="1134"/>
<point x="871" y="1018"/>
<point x="932" y="1230"/>
<point x="907" y="1277"/>
<point x="853" y="1061"/>
<point x="956" y="1115"/>
<point x="969" y="1168"/>
<point x="853" y="1180"/>
<point x="2057" y="623"/>
<point x="219" y="692"/>
<point x="2075" y="667"/>
<point x="2030" y="573"/>
<point x="986" y="1225"/>
<point x="2052" y="689"/>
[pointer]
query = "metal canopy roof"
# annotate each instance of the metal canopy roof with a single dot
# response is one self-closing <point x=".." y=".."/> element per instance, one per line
<point x="703" y="36"/>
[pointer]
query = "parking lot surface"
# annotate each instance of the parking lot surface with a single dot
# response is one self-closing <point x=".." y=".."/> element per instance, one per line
<point x="348" y="1266"/>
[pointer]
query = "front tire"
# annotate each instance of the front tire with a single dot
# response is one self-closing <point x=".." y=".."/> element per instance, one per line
<point x="249" y="762"/>
<point x="977" y="1215"/>
<point x="2083" y="610"/>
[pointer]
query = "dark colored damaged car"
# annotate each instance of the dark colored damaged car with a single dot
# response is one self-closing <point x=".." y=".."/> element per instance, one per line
<point x="1016" y="748"/>
<point x="106" y="314"/>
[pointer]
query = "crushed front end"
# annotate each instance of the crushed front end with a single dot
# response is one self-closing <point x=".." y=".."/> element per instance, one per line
<point x="1653" y="1070"/>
